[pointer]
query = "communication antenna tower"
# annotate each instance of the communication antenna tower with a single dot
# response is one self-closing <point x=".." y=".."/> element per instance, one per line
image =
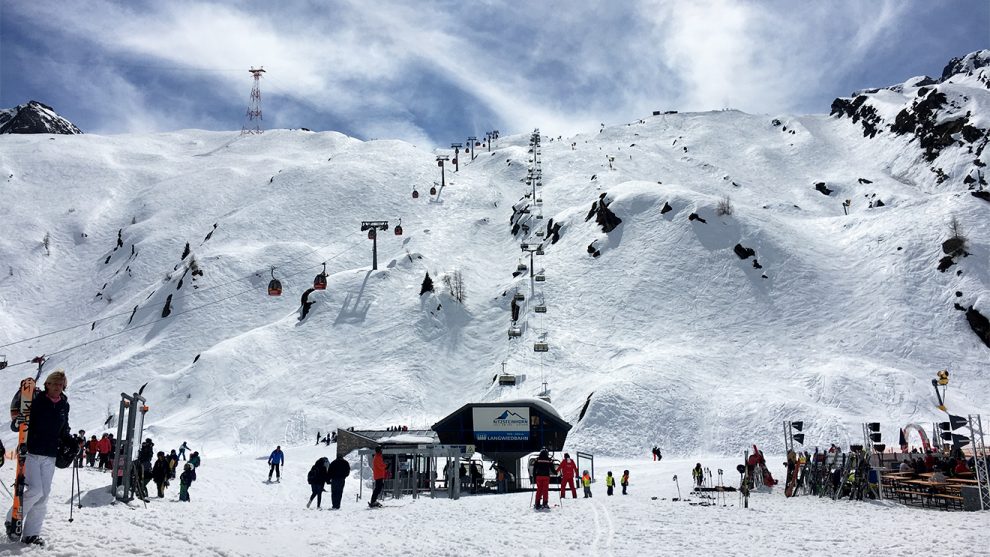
<point x="254" y="107"/>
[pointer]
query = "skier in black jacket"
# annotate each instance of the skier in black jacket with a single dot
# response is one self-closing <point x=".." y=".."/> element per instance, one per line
<point x="317" y="479"/>
<point x="339" y="470"/>
<point x="160" y="473"/>
<point x="145" y="454"/>
<point x="49" y="426"/>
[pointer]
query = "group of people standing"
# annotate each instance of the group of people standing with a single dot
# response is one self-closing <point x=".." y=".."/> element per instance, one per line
<point x="544" y="468"/>
<point x="163" y="470"/>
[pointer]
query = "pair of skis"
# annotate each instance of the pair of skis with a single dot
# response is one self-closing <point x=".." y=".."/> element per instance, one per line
<point x="28" y="386"/>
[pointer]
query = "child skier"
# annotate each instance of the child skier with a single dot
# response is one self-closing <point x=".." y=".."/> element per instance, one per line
<point x="586" y="482"/>
<point x="624" y="482"/>
<point x="609" y="483"/>
<point x="186" y="479"/>
<point x="698" y="474"/>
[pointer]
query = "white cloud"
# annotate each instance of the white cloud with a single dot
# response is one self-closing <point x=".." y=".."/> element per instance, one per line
<point x="563" y="67"/>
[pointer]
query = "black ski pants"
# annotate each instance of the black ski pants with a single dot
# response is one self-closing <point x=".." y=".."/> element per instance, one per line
<point x="317" y="494"/>
<point x="336" y="492"/>
<point x="379" y="487"/>
<point x="274" y="468"/>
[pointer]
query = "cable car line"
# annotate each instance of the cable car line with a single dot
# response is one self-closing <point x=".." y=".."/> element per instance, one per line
<point x="127" y="329"/>
<point x="176" y="299"/>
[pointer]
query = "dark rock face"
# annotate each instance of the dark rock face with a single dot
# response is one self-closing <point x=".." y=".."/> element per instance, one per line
<point x="744" y="252"/>
<point x="980" y="325"/>
<point x="858" y="110"/>
<point x="945" y="263"/>
<point x="603" y="215"/>
<point x="820" y="186"/>
<point x="35" y="117"/>
<point x="694" y="216"/>
<point x="953" y="246"/>
<point x="666" y="208"/>
<point x="984" y="195"/>
<point x="930" y="117"/>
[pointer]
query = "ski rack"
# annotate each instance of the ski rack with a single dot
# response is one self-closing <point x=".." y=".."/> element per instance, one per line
<point x="980" y="456"/>
<point x="134" y="406"/>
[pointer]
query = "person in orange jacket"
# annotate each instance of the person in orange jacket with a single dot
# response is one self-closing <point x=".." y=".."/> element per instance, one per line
<point x="92" y="448"/>
<point x="378" y="472"/>
<point x="104" y="450"/>
<point x="568" y="472"/>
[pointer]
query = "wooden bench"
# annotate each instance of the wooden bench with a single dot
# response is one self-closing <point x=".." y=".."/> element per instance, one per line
<point x="955" y="501"/>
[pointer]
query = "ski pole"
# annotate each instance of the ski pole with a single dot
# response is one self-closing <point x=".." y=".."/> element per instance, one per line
<point x="72" y="489"/>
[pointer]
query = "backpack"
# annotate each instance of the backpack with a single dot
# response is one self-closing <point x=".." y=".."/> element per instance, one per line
<point x="314" y="474"/>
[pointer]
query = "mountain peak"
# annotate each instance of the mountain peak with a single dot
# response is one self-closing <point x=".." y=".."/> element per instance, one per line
<point x="35" y="117"/>
<point x="966" y="64"/>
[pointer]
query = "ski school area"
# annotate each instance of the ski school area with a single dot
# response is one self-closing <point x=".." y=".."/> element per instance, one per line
<point x="466" y="486"/>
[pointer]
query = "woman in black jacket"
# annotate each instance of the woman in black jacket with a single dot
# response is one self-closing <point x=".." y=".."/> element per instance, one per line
<point x="318" y="477"/>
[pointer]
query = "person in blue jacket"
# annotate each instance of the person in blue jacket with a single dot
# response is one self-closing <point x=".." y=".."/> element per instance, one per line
<point x="274" y="462"/>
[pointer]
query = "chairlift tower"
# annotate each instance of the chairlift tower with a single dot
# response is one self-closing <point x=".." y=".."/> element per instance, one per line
<point x="254" y="107"/>
<point x="373" y="226"/>
<point x="457" y="160"/>
<point x="441" y="159"/>
<point x="470" y="145"/>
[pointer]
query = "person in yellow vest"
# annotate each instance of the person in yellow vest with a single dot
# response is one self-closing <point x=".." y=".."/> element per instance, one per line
<point x="586" y="482"/>
<point x="624" y="482"/>
<point x="609" y="483"/>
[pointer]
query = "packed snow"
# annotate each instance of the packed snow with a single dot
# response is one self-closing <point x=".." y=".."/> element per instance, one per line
<point x="234" y="512"/>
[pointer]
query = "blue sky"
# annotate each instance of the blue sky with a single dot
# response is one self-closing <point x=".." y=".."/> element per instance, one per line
<point x="433" y="72"/>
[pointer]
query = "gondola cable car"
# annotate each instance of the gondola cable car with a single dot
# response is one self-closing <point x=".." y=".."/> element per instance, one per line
<point x="372" y="232"/>
<point x="415" y="194"/>
<point x="433" y="190"/>
<point x="3" y="361"/>
<point x="398" y="228"/>
<point x="275" y="286"/>
<point x="320" y="282"/>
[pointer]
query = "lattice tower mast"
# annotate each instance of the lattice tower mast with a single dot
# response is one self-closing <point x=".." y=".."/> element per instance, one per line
<point x="254" y="107"/>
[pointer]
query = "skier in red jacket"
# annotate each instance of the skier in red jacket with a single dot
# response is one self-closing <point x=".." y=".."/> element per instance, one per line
<point x="378" y="472"/>
<point x="568" y="472"/>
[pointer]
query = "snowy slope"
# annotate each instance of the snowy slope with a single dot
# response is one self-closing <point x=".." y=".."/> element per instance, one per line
<point x="234" y="513"/>
<point x="678" y="341"/>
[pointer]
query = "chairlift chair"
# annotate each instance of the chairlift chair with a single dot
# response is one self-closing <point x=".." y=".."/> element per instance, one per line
<point x="515" y="331"/>
<point x="540" y="277"/>
<point x="320" y="282"/>
<point x="506" y="380"/>
<point x="541" y="347"/>
<point x="540" y="309"/>
<point x="539" y="251"/>
<point x="3" y="361"/>
<point x="274" y="286"/>
<point x="519" y="296"/>
<point x="539" y="216"/>
<point x="522" y="267"/>
<point x="539" y="233"/>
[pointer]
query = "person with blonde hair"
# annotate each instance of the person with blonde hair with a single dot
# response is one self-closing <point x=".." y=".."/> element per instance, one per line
<point x="48" y="426"/>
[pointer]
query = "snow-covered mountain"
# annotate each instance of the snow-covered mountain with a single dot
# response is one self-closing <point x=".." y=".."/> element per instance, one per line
<point x="34" y="117"/>
<point x="735" y="292"/>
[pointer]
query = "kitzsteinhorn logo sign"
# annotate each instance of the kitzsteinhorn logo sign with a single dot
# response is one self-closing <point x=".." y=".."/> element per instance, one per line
<point x="510" y="418"/>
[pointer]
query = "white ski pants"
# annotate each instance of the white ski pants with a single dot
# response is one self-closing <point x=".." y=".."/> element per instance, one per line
<point x="38" y="473"/>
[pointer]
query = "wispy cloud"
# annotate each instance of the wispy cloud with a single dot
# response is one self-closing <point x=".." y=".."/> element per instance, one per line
<point x="436" y="71"/>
